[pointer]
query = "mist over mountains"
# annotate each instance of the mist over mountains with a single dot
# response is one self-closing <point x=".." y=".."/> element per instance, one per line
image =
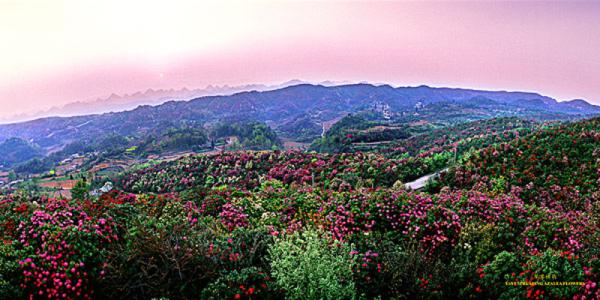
<point x="116" y="102"/>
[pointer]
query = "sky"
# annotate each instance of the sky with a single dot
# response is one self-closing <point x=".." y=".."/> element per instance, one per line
<point x="62" y="51"/>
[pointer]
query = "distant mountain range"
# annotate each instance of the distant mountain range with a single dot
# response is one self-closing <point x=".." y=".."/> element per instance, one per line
<point x="116" y="103"/>
<point x="314" y="104"/>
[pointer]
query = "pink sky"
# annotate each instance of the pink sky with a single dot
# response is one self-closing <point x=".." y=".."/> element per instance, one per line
<point x="56" y="52"/>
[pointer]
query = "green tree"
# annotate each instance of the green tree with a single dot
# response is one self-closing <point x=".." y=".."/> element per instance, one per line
<point x="12" y="176"/>
<point x="310" y="265"/>
<point x="80" y="191"/>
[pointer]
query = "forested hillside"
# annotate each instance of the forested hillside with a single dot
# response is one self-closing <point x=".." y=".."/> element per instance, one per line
<point x="163" y="140"/>
<point x="15" y="150"/>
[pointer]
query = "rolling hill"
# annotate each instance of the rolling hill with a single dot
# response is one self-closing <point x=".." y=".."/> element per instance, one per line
<point x="15" y="150"/>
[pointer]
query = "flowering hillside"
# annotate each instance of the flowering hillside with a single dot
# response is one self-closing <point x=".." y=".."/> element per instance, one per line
<point x="246" y="170"/>
<point x="295" y="225"/>
<point x="464" y="136"/>
<point x="556" y="167"/>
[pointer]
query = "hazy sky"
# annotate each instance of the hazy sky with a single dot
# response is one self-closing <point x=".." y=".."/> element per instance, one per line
<point x="55" y="52"/>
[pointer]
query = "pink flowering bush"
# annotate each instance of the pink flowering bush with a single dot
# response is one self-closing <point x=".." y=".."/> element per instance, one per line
<point x="62" y="251"/>
<point x="570" y="231"/>
<point x="233" y="217"/>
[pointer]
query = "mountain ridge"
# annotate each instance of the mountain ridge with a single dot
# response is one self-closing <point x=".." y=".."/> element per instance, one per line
<point x="578" y="102"/>
<point x="128" y="101"/>
<point x="317" y="102"/>
<point x="66" y="110"/>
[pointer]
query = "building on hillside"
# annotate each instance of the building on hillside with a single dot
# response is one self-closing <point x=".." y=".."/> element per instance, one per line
<point x="107" y="187"/>
<point x="419" y="105"/>
<point x="383" y="108"/>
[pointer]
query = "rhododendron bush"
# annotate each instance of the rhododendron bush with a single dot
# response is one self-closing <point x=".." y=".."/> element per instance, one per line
<point x="271" y="225"/>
